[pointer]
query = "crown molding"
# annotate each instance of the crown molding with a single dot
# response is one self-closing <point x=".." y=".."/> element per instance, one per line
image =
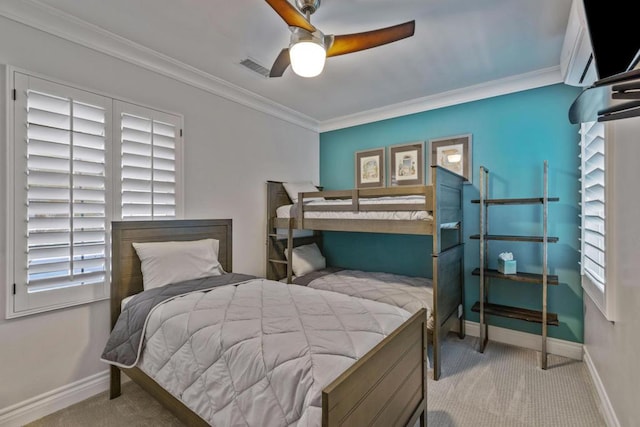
<point x="45" y="18"/>
<point x="60" y="24"/>
<point x="532" y="80"/>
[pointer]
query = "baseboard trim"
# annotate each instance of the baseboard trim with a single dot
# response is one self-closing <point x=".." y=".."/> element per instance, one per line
<point x="47" y="403"/>
<point x="605" y="404"/>
<point x="570" y="349"/>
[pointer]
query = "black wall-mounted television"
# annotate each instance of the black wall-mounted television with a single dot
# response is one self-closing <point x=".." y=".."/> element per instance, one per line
<point x="615" y="35"/>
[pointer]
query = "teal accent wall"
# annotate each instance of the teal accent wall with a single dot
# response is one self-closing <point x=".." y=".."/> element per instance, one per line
<point x="512" y="136"/>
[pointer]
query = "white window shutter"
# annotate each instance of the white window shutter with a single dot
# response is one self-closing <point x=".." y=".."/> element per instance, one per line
<point x="61" y="212"/>
<point x="148" y="178"/>
<point x="593" y="202"/>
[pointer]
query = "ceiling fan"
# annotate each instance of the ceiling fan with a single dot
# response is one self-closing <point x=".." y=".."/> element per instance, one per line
<point x="309" y="47"/>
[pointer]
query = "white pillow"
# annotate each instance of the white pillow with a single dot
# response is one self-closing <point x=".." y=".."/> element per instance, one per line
<point x="306" y="258"/>
<point x="293" y="188"/>
<point x="171" y="262"/>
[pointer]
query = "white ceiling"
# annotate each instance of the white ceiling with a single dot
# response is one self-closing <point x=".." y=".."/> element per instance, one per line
<point x="457" y="44"/>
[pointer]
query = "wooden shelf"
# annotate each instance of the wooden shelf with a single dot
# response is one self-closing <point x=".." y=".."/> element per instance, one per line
<point x="525" y="201"/>
<point x="516" y="313"/>
<point x="537" y="239"/>
<point x="518" y="277"/>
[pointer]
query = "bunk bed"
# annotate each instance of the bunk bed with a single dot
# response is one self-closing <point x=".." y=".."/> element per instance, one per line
<point x="434" y="210"/>
<point x="390" y="377"/>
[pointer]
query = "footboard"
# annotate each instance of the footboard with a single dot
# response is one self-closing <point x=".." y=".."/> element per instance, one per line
<point x="385" y="387"/>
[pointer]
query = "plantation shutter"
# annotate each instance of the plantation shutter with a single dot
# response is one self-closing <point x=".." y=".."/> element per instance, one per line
<point x="149" y="158"/>
<point x="593" y="202"/>
<point x="61" y="152"/>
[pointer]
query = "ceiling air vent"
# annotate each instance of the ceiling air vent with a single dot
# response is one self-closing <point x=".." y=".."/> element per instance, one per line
<point x="255" y="67"/>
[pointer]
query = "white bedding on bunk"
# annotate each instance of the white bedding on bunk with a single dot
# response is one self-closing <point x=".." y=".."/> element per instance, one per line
<point x="285" y="211"/>
<point x="408" y="293"/>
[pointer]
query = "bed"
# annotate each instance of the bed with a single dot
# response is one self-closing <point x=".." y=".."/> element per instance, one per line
<point x="434" y="210"/>
<point x="384" y="385"/>
<point x="409" y="293"/>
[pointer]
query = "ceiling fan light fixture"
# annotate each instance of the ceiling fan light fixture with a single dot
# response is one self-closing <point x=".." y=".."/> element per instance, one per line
<point x="309" y="6"/>
<point x="309" y="47"/>
<point x="307" y="58"/>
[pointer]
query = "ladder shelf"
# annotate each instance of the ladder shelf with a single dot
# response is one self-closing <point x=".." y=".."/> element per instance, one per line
<point x="486" y="308"/>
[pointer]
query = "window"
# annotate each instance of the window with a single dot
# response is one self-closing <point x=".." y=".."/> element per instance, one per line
<point x="70" y="179"/>
<point x="148" y="162"/>
<point x="593" y="218"/>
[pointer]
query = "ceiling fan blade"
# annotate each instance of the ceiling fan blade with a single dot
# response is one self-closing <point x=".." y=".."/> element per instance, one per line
<point x="349" y="43"/>
<point x="280" y="65"/>
<point x="290" y="14"/>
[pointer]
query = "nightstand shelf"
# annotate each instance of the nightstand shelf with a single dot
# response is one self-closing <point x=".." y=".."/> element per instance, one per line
<point x="534" y="239"/>
<point x="516" y="313"/>
<point x="525" y="201"/>
<point x="518" y="277"/>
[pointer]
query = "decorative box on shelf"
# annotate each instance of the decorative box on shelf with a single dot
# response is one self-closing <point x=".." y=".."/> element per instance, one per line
<point x="507" y="267"/>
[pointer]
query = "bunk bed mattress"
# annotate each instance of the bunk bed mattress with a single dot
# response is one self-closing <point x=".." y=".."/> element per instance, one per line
<point x="408" y="293"/>
<point x="288" y="211"/>
<point x="259" y="350"/>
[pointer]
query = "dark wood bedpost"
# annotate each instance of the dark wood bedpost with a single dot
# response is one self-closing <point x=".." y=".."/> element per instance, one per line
<point x="114" y="384"/>
<point x="116" y="299"/>
<point x="448" y="262"/>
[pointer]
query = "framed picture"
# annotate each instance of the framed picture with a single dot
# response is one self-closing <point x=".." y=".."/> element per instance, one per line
<point x="453" y="153"/>
<point x="370" y="167"/>
<point x="407" y="164"/>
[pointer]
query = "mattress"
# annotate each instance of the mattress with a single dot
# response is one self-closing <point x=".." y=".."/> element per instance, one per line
<point x="125" y="301"/>
<point x="408" y="293"/>
<point x="288" y="211"/>
<point x="259" y="352"/>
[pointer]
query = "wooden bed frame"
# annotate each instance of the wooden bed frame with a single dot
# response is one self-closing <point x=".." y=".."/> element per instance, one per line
<point x="387" y="386"/>
<point x="443" y="198"/>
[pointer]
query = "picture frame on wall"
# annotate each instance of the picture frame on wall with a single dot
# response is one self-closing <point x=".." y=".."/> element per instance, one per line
<point x="406" y="164"/>
<point x="370" y="168"/>
<point x="453" y="153"/>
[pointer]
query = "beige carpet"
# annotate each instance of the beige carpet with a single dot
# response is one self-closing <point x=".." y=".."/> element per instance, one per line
<point x="504" y="388"/>
<point x="500" y="388"/>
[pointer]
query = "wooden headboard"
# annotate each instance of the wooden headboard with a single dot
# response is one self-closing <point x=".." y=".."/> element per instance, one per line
<point x="126" y="276"/>
<point x="276" y="196"/>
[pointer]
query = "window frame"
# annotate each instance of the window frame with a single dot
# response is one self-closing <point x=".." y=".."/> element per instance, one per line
<point x="120" y="107"/>
<point x="112" y="197"/>
<point x="23" y="300"/>
<point x="602" y="296"/>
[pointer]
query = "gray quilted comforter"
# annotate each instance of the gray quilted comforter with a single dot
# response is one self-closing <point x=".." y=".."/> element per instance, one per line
<point x="260" y="352"/>
<point x="125" y="342"/>
<point x="409" y="293"/>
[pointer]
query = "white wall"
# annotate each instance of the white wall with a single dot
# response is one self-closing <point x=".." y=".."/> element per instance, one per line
<point x="614" y="348"/>
<point x="230" y="152"/>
